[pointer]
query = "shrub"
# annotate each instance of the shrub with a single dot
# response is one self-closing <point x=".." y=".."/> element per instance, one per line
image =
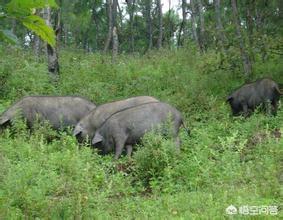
<point x="154" y="161"/>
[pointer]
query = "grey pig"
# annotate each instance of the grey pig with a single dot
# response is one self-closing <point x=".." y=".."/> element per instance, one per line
<point x="88" y="124"/>
<point x="127" y="127"/>
<point x="59" y="111"/>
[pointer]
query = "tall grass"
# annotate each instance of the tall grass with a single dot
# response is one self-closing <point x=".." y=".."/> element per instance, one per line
<point x="225" y="160"/>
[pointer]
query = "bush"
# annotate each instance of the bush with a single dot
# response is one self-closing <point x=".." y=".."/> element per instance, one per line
<point x="154" y="161"/>
<point x="225" y="161"/>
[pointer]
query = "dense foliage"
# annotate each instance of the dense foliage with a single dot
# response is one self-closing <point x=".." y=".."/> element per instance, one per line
<point x="225" y="160"/>
<point x="24" y="12"/>
<point x="192" y="61"/>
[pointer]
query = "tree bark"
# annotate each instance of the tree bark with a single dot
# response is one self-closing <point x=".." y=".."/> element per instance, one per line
<point x="131" y="10"/>
<point x="160" y="24"/>
<point x="184" y="16"/>
<point x="221" y="38"/>
<point x="110" y="26"/>
<point x="245" y="58"/>
<point x="121" y="24"/>
<point x="36" y="47"/>
<point x="37" y="41"/>
<point x="171" y="33"/>
<point x="114" y="13"/>
<point x="202" y="38"/>
<point x="52" y="54"/>
<point x="94" y="21"/>
<point x="194" y="23"/>
<point x="115" y="44"/>
<point x="250" y="25"/>
<point x="149" y="23"/>
<point x="183" y="27"/>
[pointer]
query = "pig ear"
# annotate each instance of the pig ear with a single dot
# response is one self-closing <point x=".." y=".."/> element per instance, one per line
<point x="97" y="138"/>
<point x="229" y="99"/>
<point x="78" y="129"/>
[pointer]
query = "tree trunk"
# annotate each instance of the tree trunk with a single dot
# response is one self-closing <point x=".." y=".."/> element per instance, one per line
<point x="120" y="16"/>
<point x="95" y="24"/>
<point x="36" y="47"/>
<point x="183" y="27"/>
<point x="52" y="55"/>
<point x="58" y="28"/>
<point x="37" y="41"/>
<point x="148" y="23"/>
<point x="221" y="38"/>
<point x="110" y="26"/>
<point x="115" y="44"/>
<point x="114" y="13"/>
<point x="170" y="25"/>
<point x="194" y="30"/>
<point x="245" y="58"/>
<point x="250" y="25"/>
<point x="160" y="24"/>
<point x="202" y="38"/>
<point x="131" y="9"/>
<point x="184" y="15"/>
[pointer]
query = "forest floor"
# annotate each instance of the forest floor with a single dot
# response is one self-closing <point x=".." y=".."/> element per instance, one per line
<point x="226" y="160"/>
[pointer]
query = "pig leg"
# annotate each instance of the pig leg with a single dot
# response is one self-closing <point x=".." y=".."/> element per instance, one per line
<point x="178" y="143"/>
<point x="268" y="107"/>
<point x="119" y="145"/>
<point x="129" y="150"/>
<point x="245" y="110"/>
<point x="274" y="108"/>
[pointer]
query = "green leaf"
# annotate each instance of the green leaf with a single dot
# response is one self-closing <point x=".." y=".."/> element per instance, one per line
<point x="24" y="7"/>
<point x="38" y="25"/>
<point x="7" y="35"/>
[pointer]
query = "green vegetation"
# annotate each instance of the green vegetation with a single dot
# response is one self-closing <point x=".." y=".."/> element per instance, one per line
<point x="24" y="11"/>
<point x="225" y="160"/>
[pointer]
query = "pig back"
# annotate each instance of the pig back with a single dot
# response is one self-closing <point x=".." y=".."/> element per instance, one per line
<point x="105" y="111"/>
<point x="135" y="121"/>
<point x="59" y="111"/>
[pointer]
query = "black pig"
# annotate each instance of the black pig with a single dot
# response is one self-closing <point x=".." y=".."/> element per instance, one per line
<point x="263" y="91"/>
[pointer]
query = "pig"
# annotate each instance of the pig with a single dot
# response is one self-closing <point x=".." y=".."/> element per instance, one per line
<point x="125" y="128"/>
<point x="59" y="111"/>
<point x="88" y="124"/>
<point x="263" y="91"/>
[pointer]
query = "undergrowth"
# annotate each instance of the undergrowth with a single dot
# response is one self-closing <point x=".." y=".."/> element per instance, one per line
<point x="225" y="161"/>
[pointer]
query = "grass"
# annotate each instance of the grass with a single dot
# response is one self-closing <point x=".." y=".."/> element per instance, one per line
<point x="225" y="161"/>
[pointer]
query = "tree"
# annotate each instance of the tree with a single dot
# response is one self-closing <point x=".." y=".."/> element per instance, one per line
<point x="110" y="25"/>
<point x="245" y="58"/>
<point x="115" y="44"/>
<point x="202" y="37"/>
<point x="115" y="39"/>
<point x="183" y="27"/>
<point x="148" y="5"/>
<point x="36" y="40"/>
<point x="194" y="23"/>
<point x="52" y="53"/>
<point x="220" y="36"/>
<point x="160" y="24"/>
<point x="250" y="25"/>
<point x="131" y="11"/>
<point x="112" y="6"/>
